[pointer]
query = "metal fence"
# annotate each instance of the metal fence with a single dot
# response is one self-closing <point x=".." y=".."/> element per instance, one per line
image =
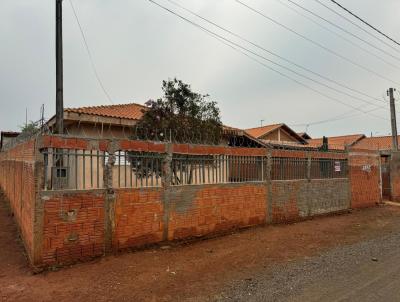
<point x="289" y="168"/>
<point x="298" y="168"/>
<point x="67" y="169"/>
<point x="73" y="169"/>
<point x="328" y="168"/>
<point x="137" y="169"/>
<point x="213" y="169"/>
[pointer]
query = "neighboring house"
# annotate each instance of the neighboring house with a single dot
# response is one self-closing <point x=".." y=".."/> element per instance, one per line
<point x="337" y="142"/>
<point x="378" y="143"/>
<point x="277" y="135"/>
<point x="101" y="121"/>
<point x="7" y="137"/>
<point x="304" y="135"/>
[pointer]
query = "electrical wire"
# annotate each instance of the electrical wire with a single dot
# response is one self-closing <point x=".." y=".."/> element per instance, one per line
<point x="282" y="58"/>
<point x="365" y="22"/>
<point x="93" y="65"/>
<point x="247" y="53"/>
<point x="333" y="119"/>
<point x="316" y="43"/>
<point x="341" y="29"/>
<point x="358" y="26"/>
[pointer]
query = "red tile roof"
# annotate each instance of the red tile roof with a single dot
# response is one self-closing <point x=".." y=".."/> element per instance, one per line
<point x="337" y="142"/>
<point x="375" y="143"/>
<point x="261" y="131"/>
<point x="126" y="111"/>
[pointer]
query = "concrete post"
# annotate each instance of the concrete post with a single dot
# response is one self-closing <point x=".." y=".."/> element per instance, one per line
<point x="309" y="167"/>
<point x="268" y="179"/>
<point x="166" y="182"/>
<point x="38" y="219"/>
<point x="109" y="206"/>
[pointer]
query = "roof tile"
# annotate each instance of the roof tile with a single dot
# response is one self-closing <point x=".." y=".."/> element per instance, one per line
<point x="337" y="142"/>
<point x="131" y="111"/>
<point x="375" y="143"/>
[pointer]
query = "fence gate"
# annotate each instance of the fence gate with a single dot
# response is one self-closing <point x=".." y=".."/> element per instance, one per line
<point x="386" y="187"/>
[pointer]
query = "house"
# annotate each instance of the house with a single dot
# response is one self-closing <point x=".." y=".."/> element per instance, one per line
<point x="337" y="142"/>
<point x="277" y="135"/>
<point x="82" y="170"/>
<point x="7" y="137"/>
<point x="101" y="121"/>
<point x="117" y="121"/>
<point x="304" y="135"/>
<point x="378" y="143"/>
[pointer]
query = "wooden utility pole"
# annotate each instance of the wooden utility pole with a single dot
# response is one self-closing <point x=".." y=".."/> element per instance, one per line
<point x="59" y="70"/>
<point x="395" y="143"/>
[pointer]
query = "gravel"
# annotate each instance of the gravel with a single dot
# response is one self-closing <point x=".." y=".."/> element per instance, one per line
<point x="284" y="282"/>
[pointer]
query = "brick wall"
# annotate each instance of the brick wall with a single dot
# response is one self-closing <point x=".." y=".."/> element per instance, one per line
<point x="395" y="175"/>
<point x="63" y="227"/>
<point x="138" y="217"/>
<point x="297" y="199"/>
<point x="73" y="226"/>
<point x="365" y="179"/>
<point x="18" y="183"/>
<point x="201" y="210"/>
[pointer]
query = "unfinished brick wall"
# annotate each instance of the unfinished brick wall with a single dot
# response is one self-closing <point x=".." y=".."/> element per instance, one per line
<point x="138" y="217"/>
<point x="365" y="179"/>
<point x="61" y="227"/>
<point x="298" y="199"/>
<point x="73" y="226"/>
<point x="201" y="210"/>
<point x="395" y="175"/>
<point x="18" y="183"/>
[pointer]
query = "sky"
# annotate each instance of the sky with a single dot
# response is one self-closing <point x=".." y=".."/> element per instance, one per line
<point x="135" y="45"/>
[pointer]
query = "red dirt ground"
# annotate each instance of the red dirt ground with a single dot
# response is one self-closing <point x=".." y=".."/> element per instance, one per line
<point x="195" y="272"/>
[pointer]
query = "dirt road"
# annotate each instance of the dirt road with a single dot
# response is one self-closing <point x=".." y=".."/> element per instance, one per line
<point x="253" y="264"/>
<point x="365" y="271"/>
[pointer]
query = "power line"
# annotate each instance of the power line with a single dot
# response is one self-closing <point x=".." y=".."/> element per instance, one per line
<point x="358" y="26"/>
<point x="246" y="52"/>
<point x="325" y="121"/>
<point x="316" y="43"/>
<point x="93" y="65"/>
<point x="286" y="60"/>
<point x="365" y="22"/>
<point x="341" y="29"/>
<point x="333" y="119"/>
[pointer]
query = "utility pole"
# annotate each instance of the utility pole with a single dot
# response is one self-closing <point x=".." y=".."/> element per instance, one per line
<point x="59" y="128"/>
<point x="395" y="143"/>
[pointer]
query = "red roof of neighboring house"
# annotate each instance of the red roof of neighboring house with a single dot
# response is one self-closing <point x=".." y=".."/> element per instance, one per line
<point x="261" y="131"/>
<point x="337" y="142"/>
<point x="131" y="111"/>
<point x="304" y="135"/>
<point x="375" y="143"/>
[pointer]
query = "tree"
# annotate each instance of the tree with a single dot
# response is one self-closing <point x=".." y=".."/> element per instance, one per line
<point x="30" y="128"/>
<point x="181" y="115"/>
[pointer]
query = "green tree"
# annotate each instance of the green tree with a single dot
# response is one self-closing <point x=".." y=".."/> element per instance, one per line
<point x="182" y="115"/>
<point x="30" y="128"/>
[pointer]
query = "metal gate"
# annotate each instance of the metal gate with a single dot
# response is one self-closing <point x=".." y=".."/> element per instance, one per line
<point x="385" y="170"/>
